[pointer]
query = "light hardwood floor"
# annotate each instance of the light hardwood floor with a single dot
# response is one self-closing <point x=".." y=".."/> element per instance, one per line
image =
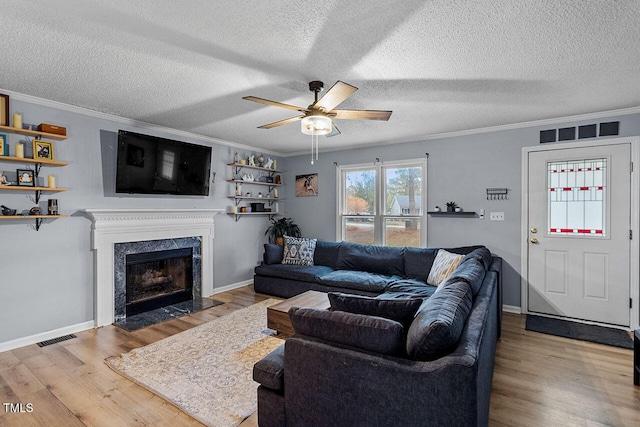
<point x="539" y="380"/>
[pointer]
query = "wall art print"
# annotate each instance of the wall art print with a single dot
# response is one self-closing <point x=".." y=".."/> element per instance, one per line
<point x="307" y="185"/>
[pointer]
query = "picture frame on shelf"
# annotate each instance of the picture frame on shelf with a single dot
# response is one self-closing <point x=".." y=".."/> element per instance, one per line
<point x="42" y="150"/>
<point x="4" y="148"/>
<point x="26" y="177"/>
<point x="4" y="110"/>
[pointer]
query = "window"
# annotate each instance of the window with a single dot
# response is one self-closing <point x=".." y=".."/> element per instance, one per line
<point x="383" y="203"/>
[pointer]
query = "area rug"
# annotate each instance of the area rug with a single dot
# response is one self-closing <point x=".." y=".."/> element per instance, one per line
<point x="578" y="331"/>
<point x="207" y="370"/>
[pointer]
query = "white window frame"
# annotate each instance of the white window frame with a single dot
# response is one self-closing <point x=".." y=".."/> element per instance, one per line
<point x="380" y="216"/>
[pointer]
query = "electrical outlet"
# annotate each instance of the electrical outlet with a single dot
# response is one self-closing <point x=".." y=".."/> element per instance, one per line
<point x="496" y="216"/>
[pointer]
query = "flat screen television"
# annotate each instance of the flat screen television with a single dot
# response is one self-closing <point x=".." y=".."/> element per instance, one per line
<point x="152" y="165"/>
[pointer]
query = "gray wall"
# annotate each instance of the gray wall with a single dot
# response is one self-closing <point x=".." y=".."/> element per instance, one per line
<point x="459" y="169"/>
<point x="47" y="277"/>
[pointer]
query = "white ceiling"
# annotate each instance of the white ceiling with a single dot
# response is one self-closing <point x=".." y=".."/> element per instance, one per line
<point x="441" y="65"/>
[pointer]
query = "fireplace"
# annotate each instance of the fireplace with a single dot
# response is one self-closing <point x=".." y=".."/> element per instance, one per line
<point x="115" y="229"/>
<point x="152" y="274"/>
<point x="158" y="279"/>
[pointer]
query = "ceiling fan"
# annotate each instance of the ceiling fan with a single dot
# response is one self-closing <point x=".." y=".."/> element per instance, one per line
<point x="316" y="119"/>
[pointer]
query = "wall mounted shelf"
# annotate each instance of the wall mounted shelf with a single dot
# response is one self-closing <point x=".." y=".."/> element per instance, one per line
<point x="464" y="213"/>
<point x="37" y="163"/>
<point x="39" y="218"/>
<point x="235" y="169"/>
<point x="33" y="133"/>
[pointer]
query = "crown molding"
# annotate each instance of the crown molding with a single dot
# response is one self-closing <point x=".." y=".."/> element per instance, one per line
<point x="132" y="122"/>
<point x="488" y="129"/>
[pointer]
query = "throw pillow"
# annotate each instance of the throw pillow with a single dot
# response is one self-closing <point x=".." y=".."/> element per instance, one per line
<point x="400" y="310"/>
<point x="356" y="330"/>
<point x="298" y="250"/>
<point x="444" y="264"/>
<point x="272" y="253"/>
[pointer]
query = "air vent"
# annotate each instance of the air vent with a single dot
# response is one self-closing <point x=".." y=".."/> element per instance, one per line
<point x="56" y="340"/>
<point x="585" y="131"/>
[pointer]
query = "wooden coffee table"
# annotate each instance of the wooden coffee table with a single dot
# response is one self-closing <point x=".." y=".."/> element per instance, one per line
<point x="278" y="316"/>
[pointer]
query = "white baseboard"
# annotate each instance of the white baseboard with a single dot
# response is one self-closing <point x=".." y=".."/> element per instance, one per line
<point x="511" y="309"/>
<point x="231" y="287"/>
<point x="21" y="342"/>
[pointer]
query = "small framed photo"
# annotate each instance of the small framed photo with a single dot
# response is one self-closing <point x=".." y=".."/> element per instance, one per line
<point x="26" y="178"/>
<point x="4" y="110"/>
<point x="4" y="147"/>
<point x="42" y="150"/>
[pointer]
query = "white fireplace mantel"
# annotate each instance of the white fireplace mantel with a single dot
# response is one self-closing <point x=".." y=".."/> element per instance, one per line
<point x="111" y="226"/>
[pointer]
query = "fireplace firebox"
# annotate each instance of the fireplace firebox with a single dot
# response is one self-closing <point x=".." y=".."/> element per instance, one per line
<point x="157" y="279"/>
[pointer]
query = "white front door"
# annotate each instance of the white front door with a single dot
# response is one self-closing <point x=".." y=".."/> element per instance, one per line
<point x="579" y="233"/>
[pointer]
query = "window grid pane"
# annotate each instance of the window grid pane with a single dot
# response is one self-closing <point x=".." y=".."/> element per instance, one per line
<point x="576" y="194"/>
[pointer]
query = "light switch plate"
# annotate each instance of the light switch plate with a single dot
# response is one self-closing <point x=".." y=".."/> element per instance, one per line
<point x="496" y="216"/>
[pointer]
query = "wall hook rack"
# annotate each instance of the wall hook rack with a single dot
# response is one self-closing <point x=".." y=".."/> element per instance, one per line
<point x="497" y="194"/>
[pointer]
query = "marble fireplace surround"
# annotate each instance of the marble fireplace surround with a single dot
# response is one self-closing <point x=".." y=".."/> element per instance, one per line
<point x="111" y="226"/>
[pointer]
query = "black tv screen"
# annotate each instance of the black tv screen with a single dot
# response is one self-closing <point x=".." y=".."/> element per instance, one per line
<point x="152" y="165"/>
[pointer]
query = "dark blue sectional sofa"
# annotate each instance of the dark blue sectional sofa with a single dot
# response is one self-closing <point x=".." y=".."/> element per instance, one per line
<point x="346" y="367"/>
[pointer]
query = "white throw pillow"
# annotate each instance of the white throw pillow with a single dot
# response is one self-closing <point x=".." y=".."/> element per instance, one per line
<point x="298" y="251"/>
<point x="444" y="264"/>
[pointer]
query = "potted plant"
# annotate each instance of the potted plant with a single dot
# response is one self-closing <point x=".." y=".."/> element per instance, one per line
<point x="451" y="206"/>
<point x="280" y="228"/>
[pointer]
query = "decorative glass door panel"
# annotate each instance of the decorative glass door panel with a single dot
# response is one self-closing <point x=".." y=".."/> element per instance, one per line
<point x="576" y="195"/>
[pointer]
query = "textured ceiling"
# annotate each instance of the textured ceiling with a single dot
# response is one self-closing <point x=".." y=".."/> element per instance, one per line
<point x="441" y="65"/>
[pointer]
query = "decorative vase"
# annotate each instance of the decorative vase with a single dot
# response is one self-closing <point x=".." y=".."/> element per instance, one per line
<point x="450" y="209"/>
<point x="458" y="209"/>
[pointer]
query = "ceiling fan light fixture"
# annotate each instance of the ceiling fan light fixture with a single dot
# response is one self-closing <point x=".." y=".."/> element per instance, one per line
<point x="316" y="125"/>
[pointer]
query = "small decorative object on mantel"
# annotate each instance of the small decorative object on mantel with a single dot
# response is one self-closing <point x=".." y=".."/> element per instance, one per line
<point x="451" y="206"/>
<point x="6" y="211"/>
<point x="269" y="163"/>
<point x="458" y="209"/>
<point x="437" y="209"/>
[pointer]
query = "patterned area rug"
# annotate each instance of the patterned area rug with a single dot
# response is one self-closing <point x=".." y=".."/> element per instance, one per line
<point x="206" y="371"/>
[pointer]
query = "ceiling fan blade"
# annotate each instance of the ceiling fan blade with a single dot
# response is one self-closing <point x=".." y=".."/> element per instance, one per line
<point x="361" y="114"/>
<point x="335" y="131"/>
<point x="274" y="103"/>
<point x="335" y="95"/>
<point x="281" y="122"/>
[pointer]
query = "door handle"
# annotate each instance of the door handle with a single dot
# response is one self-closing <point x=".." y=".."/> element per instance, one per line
<point x="534" y="240"/>
<point x="533" y="230"/>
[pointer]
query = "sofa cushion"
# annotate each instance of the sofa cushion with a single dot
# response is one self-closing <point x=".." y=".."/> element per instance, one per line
<point x="356" y="330"/>
<point x="359" y="280"/>
<point x="408" y="288"/>
<point x="444" y="264"/>
<point x="302" y="273"/>
<point x="439" y="324"/>
<point x="326" y="253"/>
<point x="400" y="310"/>
<point x="298" y="250"/>
<point x="418" y="261"/>
<point x="373" y="259"/>
<point x="471" y="271"/>
<point x="273" y="253"/>
<point x="482" y="254"/>
<point x="269" y="371"/>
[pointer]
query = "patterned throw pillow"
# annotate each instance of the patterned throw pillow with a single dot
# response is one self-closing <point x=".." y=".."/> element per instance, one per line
<point x="443" y="266"/>
<point x="298" y="251"/>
